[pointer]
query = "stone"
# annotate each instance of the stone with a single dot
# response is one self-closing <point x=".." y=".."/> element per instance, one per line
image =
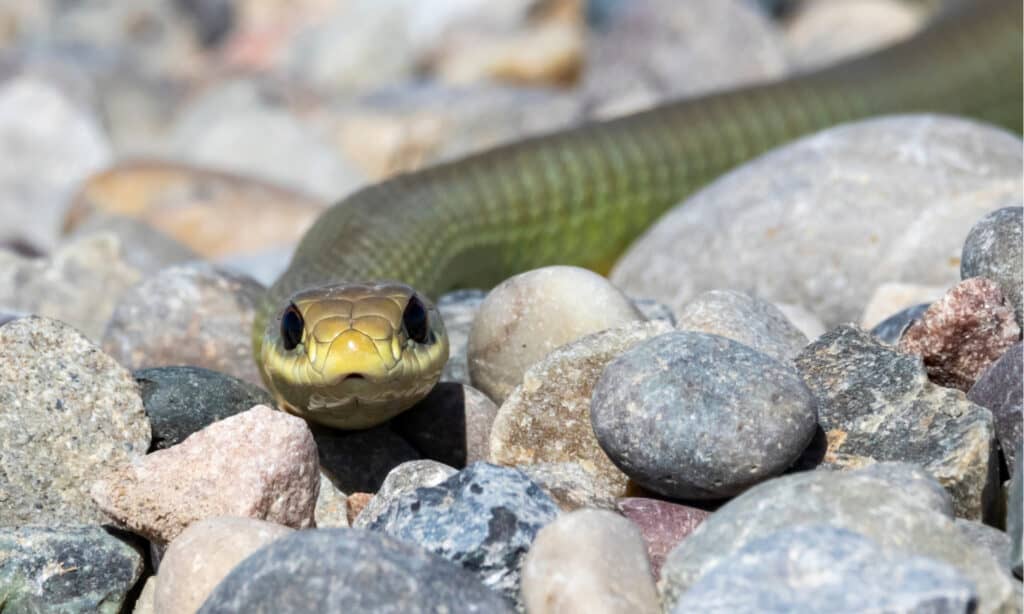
<point x="367" y="572"/>
<point x="1000" y="389"/>
<point x="803" y="319"/>
<point x="452" y="425"/>
<point x="892" y="505"/>
<point x="484" y="518"/>
<point x="893" y="297"/>
<point x="991" y="539"/>
<point x="142" y="247"/>
<point x="332" y="509"/>
<point x="547" y="418"/>
<point x="265" y="266"/>
<point x="801" y="225"/>
<point x="993" y="250"/>
<point x="741" y="317"/>
<point x="180" y="401"/>
<point x="697" y="416"/>
<point x="359" y="461"/>
<point x="191" y="315"/>
<point x="401" y="481"/>
<point x="892" y="328"/>
<point x="1015" y="521"/>
<point x="144" y="604"/>
<point x="876" y="404"/>
<point x="654" y="311"/>
<point x="662" y="524"/>
<point x="203" y="554"/>
<point x="68" y="412"/>
<point x="820" y="568"/>
<point x="458" y="309"/>
<point x="589" y="561"/>
<point x="258" y="464"/>
<point x="357" y="502"/>
<point x="67" y="568"/>
<point x="571" y="486"/>
<point x="527" y="316"/>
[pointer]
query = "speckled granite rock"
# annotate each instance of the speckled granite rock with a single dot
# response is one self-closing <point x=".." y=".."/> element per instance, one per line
<point x="401" y="481"/>
<point x="571" y="486"/>
<point x="68" y="413"/>
<point x="358" y="461"/>
<point x="452" y="425"/>
<point x="663" y="525"/>
<point x="743" y="318"/>
<point x="331" y="505"/>
<point x="1000" y="389"/>
<point x="993" y="250"/>
<point x="892" y="328"/>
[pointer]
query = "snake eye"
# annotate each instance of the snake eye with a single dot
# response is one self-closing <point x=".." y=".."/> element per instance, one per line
<point x="291" y="327"/>
<point x="414" y="319"/>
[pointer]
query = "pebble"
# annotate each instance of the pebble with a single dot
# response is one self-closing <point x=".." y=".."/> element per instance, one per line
<point x="1000" y="389"/>
<point x="663" y="525"/>
<point x="527" y="316"/>
<point x="67" y="568"/>
<point x="589" y="561"/>
<point x="187" y="315"/>
<point x="452" y="425"/>
<point x="963" y="333"/>
<point x="203" y="554"/>
<point x="890" y="330"/>
<point x="548" y="418"/>
<point x="819" y="568"/>
<point x="401" y="481"/>
<point x="894" y="505"/>
<point x="697" y="416"/>
<point x="258" y="464"/>
<point x="144" y="604"/>
<point x="68" y="413"/>
<point x="653" y="311"/>
<point x="182" y="400"/>
<point x="571" y="486"/>
<point x="142" y="247"/>
<point x="357" y="502"/>
<point x="741" y="317"/>
<point x="366" y="572"/>
<point x="754" y="227"/>
<point x="484" y="517"/>
<point x="994" y="541"/>
<point x="894" y="297"/>
<point x="876" y="404"/>
<point x="359" y="461"/>
<point x="332" y="510"/>
<point x="1015" y="520"/>
<point x="993" y="250"/>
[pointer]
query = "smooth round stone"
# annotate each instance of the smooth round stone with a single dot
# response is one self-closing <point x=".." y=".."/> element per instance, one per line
<point x="144" y="603"/>
<point x="698" y="416"/>
<point x="995" y="541"/>
<point x="402" y="480"/>
<point x="527" y="316"/>
<point x="993" y="250"/>
<point x="743" y="318"/>
<point x="589" y="561"/>
<point x="366" y="572"/>
<point x="452" y="425"/>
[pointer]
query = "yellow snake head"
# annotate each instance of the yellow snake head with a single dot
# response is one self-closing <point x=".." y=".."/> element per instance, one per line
<point x="352" y="356"/>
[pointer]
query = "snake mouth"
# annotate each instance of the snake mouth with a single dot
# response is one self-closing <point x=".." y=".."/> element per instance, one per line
<point x="353" y="376"/>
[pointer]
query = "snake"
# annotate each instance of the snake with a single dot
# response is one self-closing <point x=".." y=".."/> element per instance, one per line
<point x="349" y="336"/>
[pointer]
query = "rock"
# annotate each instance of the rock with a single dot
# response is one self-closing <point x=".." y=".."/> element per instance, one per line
<point x="527" y="316"/>
<point x="993" y="250"/>
<point x="894" y="297"/>
<point x="142" y="247"/>
<point x="698" y="416"/>
<point x="70" y="568"/>
<point x="357" y="502"/>
<point x="367" y="572"/>
<point x="198" y="559"/>
<point x="458" y="309"/>
<point x="571" y="486"/>
<point x="182" y="400"/>
<point x="484" y="518"/>
<point x="803" y="319"/>
<point x="819" y="568"/>
<point x="991" y="539"/>
<point x="258" y="464"/>
<point x="358" y="461"/>
<point x="332" y="509"/>
<point x="589" y="561"/>
<point x="79" y="283"/>
<point x="547" y="418"/>
<point x="144" y="604"/>
<point x="892" y="506"/>
<point x="654" y="311"/>
<point x="962" y="333"/>
<point x="452" y="425"/>
<point x="401" y="481"/>
<point x="188" y="315"/>
<point x="754" y="227"/>
<point x="264" y="266"/>
<point x="876" y="404"/>
<point x="743" y="318"/>
<point x="67" y="413"/>
<point x="892" y="328"/>
<point x="1000" y="390"/>
<point x="662" y="524"/>
<point x="1015" y="522"/>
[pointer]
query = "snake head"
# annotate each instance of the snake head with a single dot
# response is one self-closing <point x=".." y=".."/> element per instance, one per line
<point x="351" y="356"/>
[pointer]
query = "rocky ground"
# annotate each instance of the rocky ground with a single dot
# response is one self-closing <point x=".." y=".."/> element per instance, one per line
<point x="800" y="391"/>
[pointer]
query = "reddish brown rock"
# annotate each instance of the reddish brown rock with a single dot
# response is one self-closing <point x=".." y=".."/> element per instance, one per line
<point x="357" y="501"/>
<point x="258" y="464"/>
<point x="963" y="333"/>
<point x="662" y="524"/>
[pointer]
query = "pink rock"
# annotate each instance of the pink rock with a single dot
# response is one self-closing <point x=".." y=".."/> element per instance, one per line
<point x="662" y="524"/>
<point x="259" y="464"/>
<point x="963" y="333"/>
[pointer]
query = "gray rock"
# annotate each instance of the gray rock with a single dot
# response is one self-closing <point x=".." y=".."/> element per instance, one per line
<point x="801" y="225"/>
<point x="819" y="568"/>
<point x="571" y="486"/>
<point x="698" y="416"/>
<point x="1015" y="519"/>
<point x="142" y="247"/>
<point x="1000" y="389"/>
<point x="485" y="517"/>
<point x="996" y="542"/>
<point x="743" y="318"/>
<point x="331" y="505"/>
<point x="876" y="404"/>
<point x="892" y="328"/>
<point x="66" y="569"/>
<point x="401" y="481"/>
<point x="654" y="311"/>
<point x="359" y="461"/>
<point x="68" y="413"/>
<point x="993" y="250"/>
<point x="452" y="425"/>
<point x="458" y="310"/>
<point x="366" y="572"/>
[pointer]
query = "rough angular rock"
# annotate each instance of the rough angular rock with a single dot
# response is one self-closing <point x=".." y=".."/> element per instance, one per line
<point x="458" y="309"/>
<point x="571" y="486"/>
<point x="1000" y="389"/>
<point x="662" y="524"/>
<point x="358" y="461"/>
<point x="589" y="561"/>
<point x="893" y="297"/>
<point x="547" y="418"/>
<point x="993" y="250"/>
<point x="962" y="333"/>
<point x="258" y="464"/>
<point x="452" y="425"/>
<point x="357" y="502"/>
<point x="743" y="318"/>
<point x="331" y="505"/>
<point x="401" y="481"/>
<point x="892" y="328"/>
<point x="68" y="413"/>
<point x="367" y="572"/>
<point x="484" y="518"/>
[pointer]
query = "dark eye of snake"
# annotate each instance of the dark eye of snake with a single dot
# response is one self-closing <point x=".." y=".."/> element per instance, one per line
<point x="291" y="327"/>
<point x="414" y="319"/>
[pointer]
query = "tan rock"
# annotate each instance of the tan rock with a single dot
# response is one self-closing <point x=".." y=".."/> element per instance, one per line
<point x="357" y="502"/>
<point x="891" y="298"/>
<point x="331" y="505"/>
<point x="144" y="604"/>
<point x="571" y="486"/>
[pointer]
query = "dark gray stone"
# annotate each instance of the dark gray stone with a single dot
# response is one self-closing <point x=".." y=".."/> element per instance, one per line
<point x="891" y="329"/>
<point x="358" y="461"/>
<point x="485" y="517"/>
<point x="1000" y="389"/>
<point x="698" y="416"/>
<point x="1015" y="519"/>
<point x="743" y="318"/>
<point x="819" y="568"/>
<point x="182" y="400"/>
<point x="349" y="570"/>
<point x="458" y="309"/>
<point x="993" y="250"/>
<point x="452" y="425"/>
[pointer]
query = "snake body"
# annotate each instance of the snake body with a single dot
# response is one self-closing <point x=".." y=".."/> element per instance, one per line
<point x="581" y="195"/>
